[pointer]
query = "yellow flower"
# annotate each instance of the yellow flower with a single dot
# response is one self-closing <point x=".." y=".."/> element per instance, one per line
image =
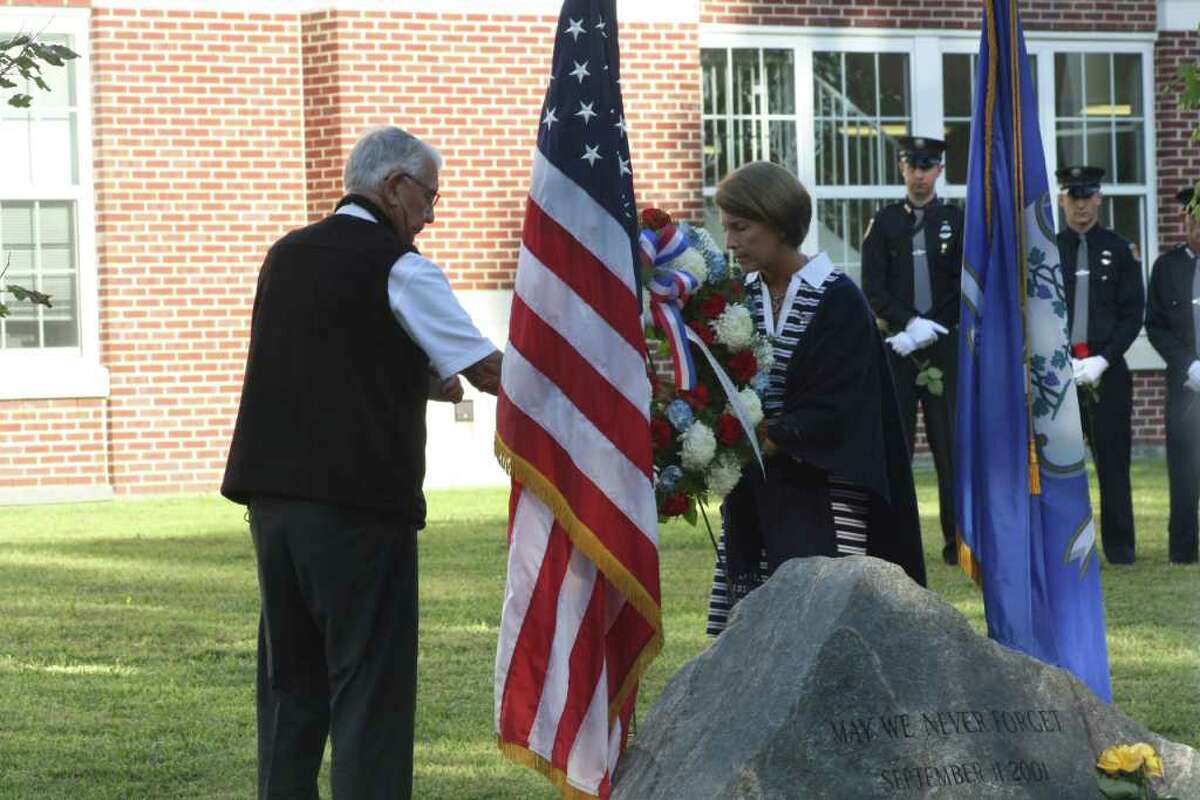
<point x="1120" y="758"/>
<point x="1149" y="757"/>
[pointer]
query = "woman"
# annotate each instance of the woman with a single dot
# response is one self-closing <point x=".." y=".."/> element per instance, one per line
<point x="837" y="475"/>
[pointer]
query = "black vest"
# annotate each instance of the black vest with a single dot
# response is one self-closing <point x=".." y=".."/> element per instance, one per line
<point x="333" y="402"/>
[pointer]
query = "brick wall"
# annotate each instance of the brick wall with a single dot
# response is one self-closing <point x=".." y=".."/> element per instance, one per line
<point x="199" y="166"/>
<point x="1178" y="155"/>
<point x="46" y="443"/>
<point x="1059" y="15"/>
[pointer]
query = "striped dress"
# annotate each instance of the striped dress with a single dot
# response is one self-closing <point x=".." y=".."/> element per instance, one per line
<point x="849" y="504"/>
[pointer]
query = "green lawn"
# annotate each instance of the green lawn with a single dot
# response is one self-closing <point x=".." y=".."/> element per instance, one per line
<point x="127" y="639"/>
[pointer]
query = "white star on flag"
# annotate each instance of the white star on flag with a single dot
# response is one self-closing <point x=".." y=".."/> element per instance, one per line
<point x="622" y="125"/>
<point x="575" y="29"/>
<point x="585" y="111"/>
<point x="580" y="71"/>
<point x="591" y="155"/>
<point x="549" y="119"/>
<point x="624" y="166"/>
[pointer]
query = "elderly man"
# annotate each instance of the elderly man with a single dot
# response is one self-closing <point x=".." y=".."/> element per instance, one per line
<point x="1173" y="325"/>
<point x="352" y="332"/>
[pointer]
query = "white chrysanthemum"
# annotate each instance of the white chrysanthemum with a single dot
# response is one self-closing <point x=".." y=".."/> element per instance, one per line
<point x="735" y="327"/>
<point x="751" y="404"/>
<point x="723" y="474"/>
<point x="699" y="446"/>
<point x="764" y="352"/>
<point x="692" y="261"/>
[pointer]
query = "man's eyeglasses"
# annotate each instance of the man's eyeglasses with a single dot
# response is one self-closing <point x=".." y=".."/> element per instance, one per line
<point x="431" y="195"/>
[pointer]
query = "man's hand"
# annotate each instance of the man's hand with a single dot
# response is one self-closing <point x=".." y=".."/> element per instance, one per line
<point x="901" y="343"/>
<point x="1088" y="370"/>
<point x="484" y="374"/>
<point x="923" y="332"/>
<point x="445" y="391"/>
<point x="1193" y="380"/>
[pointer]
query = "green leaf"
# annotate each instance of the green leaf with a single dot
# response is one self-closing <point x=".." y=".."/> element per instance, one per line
<point x="934" y="373"/>
<point x="29" y="295"/>
<point x="3" y="311"/>
<point x="64" y="52"/>
<point x="1117" y="789"/>
<point x="6" y="84"/>
<point x="691" y="514"/>
<point x="20" y="100"/>
<point x="935" y="388"/>
<point x="922" y="378"/>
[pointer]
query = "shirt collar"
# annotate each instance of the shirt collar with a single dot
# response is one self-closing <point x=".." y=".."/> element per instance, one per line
<point x="817" y="270"/>
<point x="355" y="210"/>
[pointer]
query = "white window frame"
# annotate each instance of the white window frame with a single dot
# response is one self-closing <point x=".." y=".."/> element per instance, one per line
<point x="925" y="49"/>
<point x="63" y="372"/>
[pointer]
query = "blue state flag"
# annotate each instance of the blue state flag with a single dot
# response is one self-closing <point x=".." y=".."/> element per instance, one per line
<point x="1024" y="517"/>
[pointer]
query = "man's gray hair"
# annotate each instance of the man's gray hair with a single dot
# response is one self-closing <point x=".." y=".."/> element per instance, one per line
<point x="382" y="151"/>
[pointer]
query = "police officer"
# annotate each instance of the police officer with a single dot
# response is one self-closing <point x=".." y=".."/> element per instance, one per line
<point x="1105" y="303"/>
<point x="911" y="268"/>
<point x="1173" y="325"/>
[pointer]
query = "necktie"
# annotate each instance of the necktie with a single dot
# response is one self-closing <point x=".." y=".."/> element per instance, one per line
<point x="922" y="292"/>
<point x="1079" y="325"/>
<point x="1196" y="305"/>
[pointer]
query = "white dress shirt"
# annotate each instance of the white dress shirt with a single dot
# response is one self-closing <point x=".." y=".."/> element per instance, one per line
<point x="425" y="306"/>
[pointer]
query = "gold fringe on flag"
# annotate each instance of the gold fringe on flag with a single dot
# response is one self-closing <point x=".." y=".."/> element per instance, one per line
<point x="586" y="540"/>
<point x="1035" y="481"/>
<point x="527" y="758"/>
<point x="967" y="561"/>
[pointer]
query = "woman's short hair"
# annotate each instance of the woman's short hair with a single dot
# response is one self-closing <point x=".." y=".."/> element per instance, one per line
<point x="382" y="151"/>
<point x="767" y="193"/>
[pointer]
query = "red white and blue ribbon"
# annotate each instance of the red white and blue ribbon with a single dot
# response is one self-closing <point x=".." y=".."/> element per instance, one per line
<point x="669" y="292"/>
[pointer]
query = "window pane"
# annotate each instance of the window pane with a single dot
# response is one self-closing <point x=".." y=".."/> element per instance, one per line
<point x="781" y="81"/>
<point x="1096" y="83"/>
<point x="1099" y="149"/>
<point x="14" y="144"/>
<point x="745" y="141"/>
<point x="827" y="72"/>
<point x="893" y="85"/>
<point x="712" y="70"/>
<point x="745" y="82"/>
<point x="783" y="144"/>
<point x="54" y="149"/>
<point x="1130" y="154"/>
<point x="712" y="221"/>
<point x="860" y="84"/>
<point x="956" y="84"/>
<point x="1124" y="215"/>
<point x="38" y="241"/>
<point x="1070" y="144"/>
<point x="716" y="133"/>
<point x="829" y="152"/>
<point x="841" y="226"/>
<point x="1068" y="77"/>
<point x="958" y="145"/>
<point x="1127" y="74"/>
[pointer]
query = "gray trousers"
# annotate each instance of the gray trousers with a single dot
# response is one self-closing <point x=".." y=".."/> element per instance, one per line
<point x="337" y="650"/>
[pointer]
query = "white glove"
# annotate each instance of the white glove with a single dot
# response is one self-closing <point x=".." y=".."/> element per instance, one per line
<point x="1193" y="379"/>
<point x="1088" y="370"/>
<point x="901" y="343"/>
<point x="924" y="332"/>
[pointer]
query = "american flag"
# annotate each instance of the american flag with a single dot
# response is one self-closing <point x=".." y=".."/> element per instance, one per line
<point x="582" y="611"/>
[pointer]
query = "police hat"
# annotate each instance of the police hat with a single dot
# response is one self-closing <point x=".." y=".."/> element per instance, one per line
<point x="1184" y="196"/>
<point x="921" y="151"/>
<point x="1079" y="181"/>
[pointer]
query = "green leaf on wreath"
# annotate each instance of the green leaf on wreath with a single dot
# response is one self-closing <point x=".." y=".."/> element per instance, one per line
<point x="691" y="515"/>
<point x="934" y="373"/>
<point x="935" y="387"/>
<point x="922" y="378"/>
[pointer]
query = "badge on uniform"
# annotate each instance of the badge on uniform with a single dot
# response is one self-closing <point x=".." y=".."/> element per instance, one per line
<point x="945" y="234"/>
<point x="1105" y="260"/>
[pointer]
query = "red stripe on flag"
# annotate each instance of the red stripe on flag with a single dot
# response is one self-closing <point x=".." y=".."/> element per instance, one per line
<point x="625" y="642"/>
<point x="619" y="420"/>
<point x="531" y="655"/>
<point x="585" y="665"/>
<point x="615" y="531"/>
<point x="591" y="280"/>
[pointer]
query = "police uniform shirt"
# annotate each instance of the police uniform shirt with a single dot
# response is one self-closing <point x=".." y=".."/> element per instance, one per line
<point x="897" y="240"/>
<point x="1173" y="308"/>
<point x="1116" y="298"/>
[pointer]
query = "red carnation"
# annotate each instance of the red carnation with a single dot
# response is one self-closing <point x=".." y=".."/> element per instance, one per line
<point x="729" y="430"/>
<point x="674" y="505"/>
<point x="660" y="433"/>
<point x="701" y="327"/>
<point x="712" y="306"/>
<point x="1080" y="350"/>
<point x="743" y="366"/>
<point x="697" y="398"/>
<point x="655" y="218"/>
